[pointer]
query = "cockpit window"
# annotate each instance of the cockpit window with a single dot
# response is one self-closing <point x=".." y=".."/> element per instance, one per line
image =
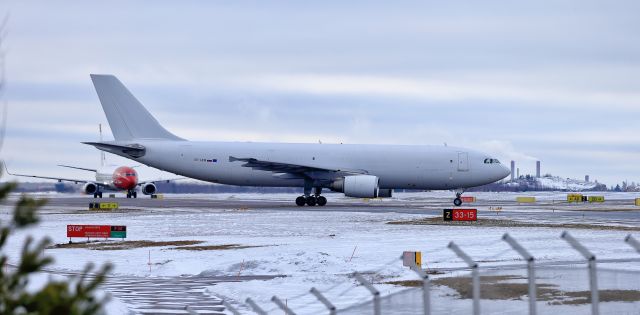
<point x="491" y="161"/>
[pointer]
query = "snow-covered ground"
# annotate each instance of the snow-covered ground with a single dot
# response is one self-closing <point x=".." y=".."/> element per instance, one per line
<point x="310" y="248"/>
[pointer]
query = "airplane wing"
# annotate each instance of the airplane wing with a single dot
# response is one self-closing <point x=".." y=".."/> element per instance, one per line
<point x="59" y="179"/>
<point x="289" y="170"/>
<point x="160" y="180"/>
<point x="79" y="168"/>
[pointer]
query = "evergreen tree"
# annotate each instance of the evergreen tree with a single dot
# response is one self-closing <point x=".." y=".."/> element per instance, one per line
<point x="69" y="297"/>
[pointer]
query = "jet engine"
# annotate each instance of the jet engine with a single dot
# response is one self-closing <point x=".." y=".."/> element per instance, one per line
<point x="149" y="189"/>
<point x="90" y="188"/>
<point x="361" y="186"/>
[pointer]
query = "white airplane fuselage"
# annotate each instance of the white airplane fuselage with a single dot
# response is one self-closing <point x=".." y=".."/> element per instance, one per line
<point x="397" y="166"/>
<point x="357" y="170"/>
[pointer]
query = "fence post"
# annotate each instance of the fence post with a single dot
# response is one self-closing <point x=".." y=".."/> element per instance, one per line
<point x="324" y="300"/>
<point x="230" y="307"/>
<point x="255" y="307"/>
<point x="282" y="306"/>
<point x="530" y="270"/>
<point x="593" y="275"/>
<point x="426" y="289"/>
<point x="374" y="292"/>
<point x="474" y="274"/>
<point x="633" y="242"/>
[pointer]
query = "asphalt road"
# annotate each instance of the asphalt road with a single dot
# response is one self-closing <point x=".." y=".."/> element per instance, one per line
<point x="611" y="211"/>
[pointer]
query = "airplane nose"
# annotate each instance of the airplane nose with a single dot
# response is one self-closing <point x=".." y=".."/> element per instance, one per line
<point x="504" y="171"/>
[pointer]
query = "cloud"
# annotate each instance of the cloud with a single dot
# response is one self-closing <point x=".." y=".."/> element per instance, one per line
<point x="504" y="149"/>
<point x="445" y="91"/>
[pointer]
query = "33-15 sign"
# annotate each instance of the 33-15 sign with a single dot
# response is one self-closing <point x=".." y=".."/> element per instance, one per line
<point x="460" y="214"/>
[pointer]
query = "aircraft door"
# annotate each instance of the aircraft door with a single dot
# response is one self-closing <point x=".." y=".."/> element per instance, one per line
<point x="463" y="161"/>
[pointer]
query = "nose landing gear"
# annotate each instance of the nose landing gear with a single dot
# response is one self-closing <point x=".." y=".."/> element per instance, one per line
<point x="458" y="201"/>
<point x="132" y="194"/>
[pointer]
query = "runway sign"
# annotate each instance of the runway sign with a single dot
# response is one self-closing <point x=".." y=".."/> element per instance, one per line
<point x="158" y="196"/>
<point x="637" y="201"/>
<point x="412" y="259"/>
<point x="574" y="198"/>
<point x="97" y="231"/>
<point x="103" y="205"/>
<point x="525" y="199"/>
<point x="596" y="199"/>
<point x="468" y="199"/>
<point x="460" y="214"/>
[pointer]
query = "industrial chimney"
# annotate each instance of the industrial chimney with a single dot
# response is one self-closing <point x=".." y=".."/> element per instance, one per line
<point x="513" y="170"/>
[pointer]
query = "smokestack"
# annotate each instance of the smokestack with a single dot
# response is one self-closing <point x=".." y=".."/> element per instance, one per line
<point x="538" y="169"/>
<point x="586" y="178"/>
<point x="513" y="170"/>
<point x="518" y="170"/>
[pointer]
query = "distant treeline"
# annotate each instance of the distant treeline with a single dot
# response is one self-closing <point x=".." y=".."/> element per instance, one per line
<point x="205" y="188"/>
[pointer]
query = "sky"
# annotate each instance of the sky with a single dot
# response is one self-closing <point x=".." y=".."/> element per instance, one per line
<point x="555" y="81"/>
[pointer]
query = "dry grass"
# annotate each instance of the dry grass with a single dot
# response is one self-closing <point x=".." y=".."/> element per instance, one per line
<point x="496" y="288"/>
<point x="511" y="223"/>
<point x="121" y="245"/>
<point x="214" y="247"/>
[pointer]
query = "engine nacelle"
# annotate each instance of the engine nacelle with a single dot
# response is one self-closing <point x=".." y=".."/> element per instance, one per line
<point x="385" y="193"/>
<point x="149" y="189"/>
<point x="361" y="186"/>
<point x="90" y="188"/>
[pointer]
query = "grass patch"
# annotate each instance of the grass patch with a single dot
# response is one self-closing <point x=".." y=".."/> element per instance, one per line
<point x="122" y="245"/>
<point x="214" y="247"/>
<point x="502" y="288"/>
<point x="511" y="223"/>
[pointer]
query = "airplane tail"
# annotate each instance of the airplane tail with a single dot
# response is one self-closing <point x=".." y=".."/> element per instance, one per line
<point x="127" y="117"/>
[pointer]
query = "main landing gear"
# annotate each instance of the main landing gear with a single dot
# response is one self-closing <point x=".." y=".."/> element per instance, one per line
<point x="132" y="194"/>
<point x="97" y="194"/>
<point x="312" y="200"/>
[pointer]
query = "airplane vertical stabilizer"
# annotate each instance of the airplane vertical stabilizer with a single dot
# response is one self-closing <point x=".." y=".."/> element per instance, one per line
<point x="127" y="117"/>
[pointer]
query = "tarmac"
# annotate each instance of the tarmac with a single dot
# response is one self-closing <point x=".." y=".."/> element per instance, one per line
<point x="612" y="211"/>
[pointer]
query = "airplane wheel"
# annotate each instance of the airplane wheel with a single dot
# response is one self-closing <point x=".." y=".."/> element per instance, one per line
<point x="134" y="194"/>
<point x="95" y="195"/>
<point x="457" y="202"/>
<point x="311" y="201"/>
<point x="321" y="201"/>
<point x="128" y="195"/>
<point x="100" y="194"/>
<point x="300" y="201"/>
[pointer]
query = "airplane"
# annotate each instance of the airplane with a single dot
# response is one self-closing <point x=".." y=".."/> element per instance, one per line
<point x="356" y="170"/>
<point x="108" y="178"/>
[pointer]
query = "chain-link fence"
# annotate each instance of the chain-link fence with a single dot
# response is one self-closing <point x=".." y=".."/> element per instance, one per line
<point x="530" y="286"/>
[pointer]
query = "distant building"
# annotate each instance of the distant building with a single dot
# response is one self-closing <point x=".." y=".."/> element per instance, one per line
<point x="518" y="171"/>
<point x="537" y="169"/>
<point x="586" y="178"/>
<point x="513" y="170"/>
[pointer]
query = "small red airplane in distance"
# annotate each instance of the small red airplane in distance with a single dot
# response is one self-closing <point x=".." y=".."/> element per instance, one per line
<point x="108" y="178"/>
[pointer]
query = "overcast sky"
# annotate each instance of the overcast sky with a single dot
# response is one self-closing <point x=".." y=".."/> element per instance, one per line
<point x="557" y="81"/>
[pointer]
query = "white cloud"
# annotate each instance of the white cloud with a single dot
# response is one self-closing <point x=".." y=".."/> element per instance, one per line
<point x="440" y="90"/>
